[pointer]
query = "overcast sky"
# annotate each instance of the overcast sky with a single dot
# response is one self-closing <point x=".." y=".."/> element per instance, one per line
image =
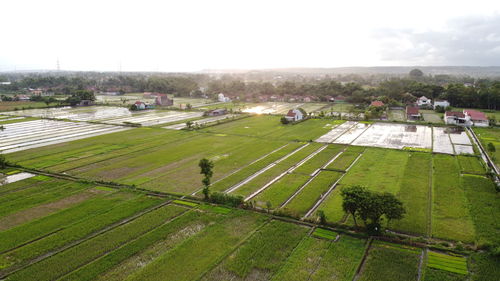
<point x="190" y="35"/>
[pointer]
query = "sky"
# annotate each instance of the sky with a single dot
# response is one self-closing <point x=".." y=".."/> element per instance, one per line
<point x="192" y="35"/>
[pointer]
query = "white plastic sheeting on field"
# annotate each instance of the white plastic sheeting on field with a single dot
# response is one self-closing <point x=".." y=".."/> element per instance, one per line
<point x="37" y="133"/>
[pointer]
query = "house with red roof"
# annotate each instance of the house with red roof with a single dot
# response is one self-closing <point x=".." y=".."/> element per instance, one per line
<point x="294" y="115"/>
<point x="412" y="113"/>
<point x="477" y="118"/>
<point x="377" y="103"/>
<point x="457" y="118"/>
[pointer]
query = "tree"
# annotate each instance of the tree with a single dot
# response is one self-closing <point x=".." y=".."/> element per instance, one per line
<point x="321" y="216"/>
<point x="3" y="162"/>
<point x="415" y="73"/>
<point x="284" y="120"/>
<point x="189" y="124"/>
<point x="393" y="207"/>
<point x="206" y="167"/>
<point x="491" y="147"/>
<point x="371" y="206"/>
<point x="268" y="206"/>
<point x="353" y="197"/>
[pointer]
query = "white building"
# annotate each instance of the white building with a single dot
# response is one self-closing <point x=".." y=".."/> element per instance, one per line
<point x="424" y="101"/>
<point x="222" y="98"/>
<point x="442" y="103"/>
<point x="457" y="118"/>
<point x="294" y="115"/>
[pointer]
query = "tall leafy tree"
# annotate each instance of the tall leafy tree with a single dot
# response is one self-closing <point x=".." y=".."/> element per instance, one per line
<point x="206" y="167"/>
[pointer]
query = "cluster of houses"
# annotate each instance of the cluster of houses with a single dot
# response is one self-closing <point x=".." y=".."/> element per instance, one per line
<point x="468" y="117"/>
<point x="159" y="100"/>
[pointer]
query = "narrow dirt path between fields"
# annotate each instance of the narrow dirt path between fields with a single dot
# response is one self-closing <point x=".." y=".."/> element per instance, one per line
<point x="420" y="264"/>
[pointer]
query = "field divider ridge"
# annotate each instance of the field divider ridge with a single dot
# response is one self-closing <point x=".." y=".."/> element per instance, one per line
<point x="291" y="169"/>
<point x="238" y="185"/>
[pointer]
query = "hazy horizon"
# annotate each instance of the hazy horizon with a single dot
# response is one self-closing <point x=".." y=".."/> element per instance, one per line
<point x="191" y="36"/>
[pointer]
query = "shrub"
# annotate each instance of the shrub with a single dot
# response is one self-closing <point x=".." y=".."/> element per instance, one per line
<point x="226" y="199"/>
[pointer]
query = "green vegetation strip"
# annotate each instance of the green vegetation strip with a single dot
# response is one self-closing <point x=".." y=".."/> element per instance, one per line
<point x="185" y="203"/>
<point x="391" y="262"/>
<point x="451" y="218"/>
<point x="77" y="231"/>
<point x="36" y="229"/>
<point x="263" y="253"/>
<point x="198" y="254"/>
<point x="164" y="234"/>
<point x="306" y="199"/>
<point x="324" y="233"/>
<point x="448" y="263"/>
<point x="280" y="191"/>
<point x="63" y="263"/>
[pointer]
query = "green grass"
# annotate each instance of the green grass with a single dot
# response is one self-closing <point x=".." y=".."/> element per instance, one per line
<point x="449" y="263"/>
<point x="432" y="274"/>
<point x="125" y="260"/>
<point x="272" y="173"/>
<point x="12" y="105"/>
<point x="61" y="264"/>
<point x="318" y="160"/>
<point x="485" y="267"/>
<point x="77" y="231"/>
<point x="324" y="233"/>
<point x="262" y="255"/>
<point x="278" y="192"/>
<point x="46" y="225"/>
<point x="451" y="218"/>
<point x="414" y="192"/>
<point x="484" y="206"/>
<point x="42" y="193"/>
<point x="247" y="171"/>
<point x="471" y="165"/>
<point x="341" y="260"/>
<point x="151" y="158"/>
<point x="185" y="203"/>
<point x="391" y="262"/>
<point x="332" y="206"/>
<point x="216" y="209"/>
<point x="343" y="161"/>
<point x="270" y="127"/>
<point x="306" y="199"/>
<point x="487" y="135"/>
<point x="190" y="259"/>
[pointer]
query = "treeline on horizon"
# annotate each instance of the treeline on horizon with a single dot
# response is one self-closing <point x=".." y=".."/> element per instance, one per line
<point x="460" y="91"/>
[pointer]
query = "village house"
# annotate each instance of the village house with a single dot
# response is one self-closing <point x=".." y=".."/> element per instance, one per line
<point x="412" y="113"/>
<point x="424" y="101"/>
<point x="477" y="118"/>
<point x="377" y="103"/>
<point x="339" y="99"/>
<point x="163" y="100"/>
<point x="294" y="115"/>
<point x="457" y="118"/>
<point x="222" y="98"/>
<point x="216" y="112"/>
<point x="140" y="105"/>
<point x="85" y="103"/>
<point x="442" y="103"/>
<point x="22" y="97"/>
